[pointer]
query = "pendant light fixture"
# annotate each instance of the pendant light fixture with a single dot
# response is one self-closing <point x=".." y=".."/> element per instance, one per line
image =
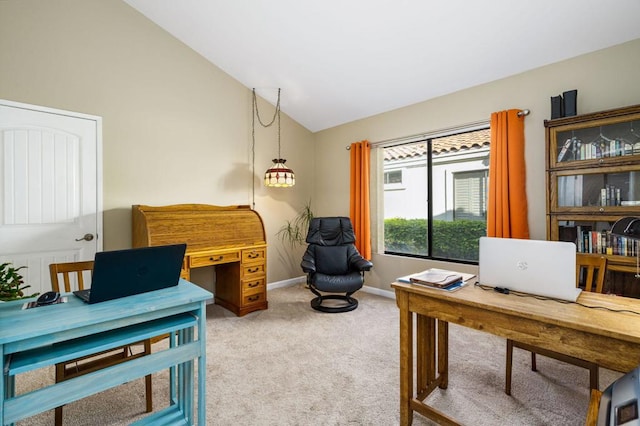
<point x="278" y="175"/>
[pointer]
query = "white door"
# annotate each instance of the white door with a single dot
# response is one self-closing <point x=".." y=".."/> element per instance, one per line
<point x="50" y="189"/>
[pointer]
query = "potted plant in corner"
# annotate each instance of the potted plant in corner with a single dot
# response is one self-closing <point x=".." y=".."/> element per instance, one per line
<point x="294" y="232"/>
<point x="12" y="283"/>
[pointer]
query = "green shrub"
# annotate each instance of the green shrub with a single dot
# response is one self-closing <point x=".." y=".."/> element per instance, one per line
<point x="451" y="239"/>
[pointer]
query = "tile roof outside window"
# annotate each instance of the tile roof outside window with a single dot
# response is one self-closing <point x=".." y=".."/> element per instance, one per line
<point x="454" y="143"/>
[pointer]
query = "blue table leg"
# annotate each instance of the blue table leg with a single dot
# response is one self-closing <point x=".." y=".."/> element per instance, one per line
<point x="188" y="379"/>
<point x="172" y="373"/>
<point x="8" y="385"/>
<point x="202" y="364"/>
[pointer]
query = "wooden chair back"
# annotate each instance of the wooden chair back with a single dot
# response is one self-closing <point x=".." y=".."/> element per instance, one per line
<point x="590" y="271"/>
<point x="67" y="270"/>
<point x="79" y="366"/>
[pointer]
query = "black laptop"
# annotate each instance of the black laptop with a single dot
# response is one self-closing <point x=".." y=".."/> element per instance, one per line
<point x="122" y="273"/>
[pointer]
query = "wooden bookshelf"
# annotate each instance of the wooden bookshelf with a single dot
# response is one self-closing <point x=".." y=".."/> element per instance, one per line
<point x="593" y="179"/>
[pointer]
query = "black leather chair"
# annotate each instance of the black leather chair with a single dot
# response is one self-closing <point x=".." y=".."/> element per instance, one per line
<point x="333" y="264"/>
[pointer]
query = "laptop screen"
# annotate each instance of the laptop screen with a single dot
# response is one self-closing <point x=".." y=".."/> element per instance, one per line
<point x="539" y="267"/>
<point x="122" y="273"/>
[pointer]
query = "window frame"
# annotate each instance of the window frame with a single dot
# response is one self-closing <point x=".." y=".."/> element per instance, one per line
<point x="428" y="138"/>
<point x="485" y="178"/>
<point x="394" y="186"/>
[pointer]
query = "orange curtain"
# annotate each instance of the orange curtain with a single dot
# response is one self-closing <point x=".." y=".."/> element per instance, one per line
<point x="359" y="205"/>
<point x="507" y="209"/>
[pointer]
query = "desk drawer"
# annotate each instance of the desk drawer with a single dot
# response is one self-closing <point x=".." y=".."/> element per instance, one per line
<point x="254" y="255"/>
<point x="214" y="258"/>
<point x="250" y="299"/>
<point x="255" y="285"/>
<point x="252" y="270"/>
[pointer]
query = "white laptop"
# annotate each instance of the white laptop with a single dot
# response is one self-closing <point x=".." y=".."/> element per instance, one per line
<point x="543" y="268"/>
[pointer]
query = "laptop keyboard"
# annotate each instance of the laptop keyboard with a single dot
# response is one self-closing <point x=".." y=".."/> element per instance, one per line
<point x="83" y="294"/>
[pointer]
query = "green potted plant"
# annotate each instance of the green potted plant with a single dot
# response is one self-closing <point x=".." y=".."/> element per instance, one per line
<point x="294" y="232"/>
<point x="12" y="283"/>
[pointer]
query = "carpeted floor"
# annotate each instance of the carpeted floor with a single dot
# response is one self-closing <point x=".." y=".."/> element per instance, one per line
<point x="290" y="365"/>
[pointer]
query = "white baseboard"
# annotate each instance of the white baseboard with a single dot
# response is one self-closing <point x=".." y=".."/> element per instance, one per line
<point x="303" y="279"/>
<point x="380" y="292"/>
<point x="287" y="283"/>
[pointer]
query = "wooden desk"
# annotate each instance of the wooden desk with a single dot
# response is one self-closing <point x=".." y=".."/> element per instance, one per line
<point x="610" y="339"/>
<point x="231" y="238"/>
<point x="30" y="340"/>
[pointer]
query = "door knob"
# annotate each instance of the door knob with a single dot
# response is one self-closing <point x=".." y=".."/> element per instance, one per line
<point x="87" y="237"/>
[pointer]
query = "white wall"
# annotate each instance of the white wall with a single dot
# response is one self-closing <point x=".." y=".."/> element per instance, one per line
<point x="409" y="198"/>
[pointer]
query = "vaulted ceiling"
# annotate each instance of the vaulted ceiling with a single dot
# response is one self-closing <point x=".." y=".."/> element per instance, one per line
<point x="341" y="60"/>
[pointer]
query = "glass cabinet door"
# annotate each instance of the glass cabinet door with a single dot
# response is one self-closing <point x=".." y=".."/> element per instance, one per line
<point x="600" y="143"/>
<point x="594" y="188"/>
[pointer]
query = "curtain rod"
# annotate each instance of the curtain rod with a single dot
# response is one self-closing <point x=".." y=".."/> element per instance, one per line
<point x="469" y="127"/>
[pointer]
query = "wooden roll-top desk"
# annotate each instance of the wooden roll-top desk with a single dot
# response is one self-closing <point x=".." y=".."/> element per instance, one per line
<point x="231" y="238"/>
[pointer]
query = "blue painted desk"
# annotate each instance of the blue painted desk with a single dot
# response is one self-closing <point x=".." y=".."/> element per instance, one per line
<point x="39" y="337"/>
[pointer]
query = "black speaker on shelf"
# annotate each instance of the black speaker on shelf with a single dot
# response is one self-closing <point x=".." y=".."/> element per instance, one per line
<point x="570" y="103"/>
<point x="557" y="107"/>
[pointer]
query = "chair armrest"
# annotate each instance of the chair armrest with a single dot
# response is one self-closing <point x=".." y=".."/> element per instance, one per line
<point x="357" y="262"/>
<point x="308" y="267"/>
<point x="361" y="264"/>
<point x="308" y="263"/>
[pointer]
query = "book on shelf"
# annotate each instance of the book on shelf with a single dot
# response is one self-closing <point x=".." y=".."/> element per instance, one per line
<point x="566" y="151"/>
<point x="600" y="242"/>
<point x="610" y="196"/>
<point x="437" y="278"/>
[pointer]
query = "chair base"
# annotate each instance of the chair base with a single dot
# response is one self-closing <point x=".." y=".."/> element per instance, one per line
<point x="349" y="303"/>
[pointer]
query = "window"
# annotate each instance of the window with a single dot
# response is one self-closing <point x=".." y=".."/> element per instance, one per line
<point x="439" y="210"/>
<point x="394" y="176"/>
<point x="470" y="195"/>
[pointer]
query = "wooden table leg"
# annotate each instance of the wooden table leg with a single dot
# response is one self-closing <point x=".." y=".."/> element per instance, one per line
<point x="425" y="352"/>
<point x="443" y="353"/>
<point x="432" y="339"/>
<point x="406" y="359"/>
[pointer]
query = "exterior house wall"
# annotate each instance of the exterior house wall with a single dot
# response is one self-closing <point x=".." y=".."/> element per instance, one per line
<point x="409" y="199"/>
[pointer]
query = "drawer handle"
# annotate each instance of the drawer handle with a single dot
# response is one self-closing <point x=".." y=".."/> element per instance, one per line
<point x="254" y="284"/>
<point x="215" y="259"/>
<point x="253" y="298"/>
<point x="253" y="255"/>
<point x="252" y="270"/>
